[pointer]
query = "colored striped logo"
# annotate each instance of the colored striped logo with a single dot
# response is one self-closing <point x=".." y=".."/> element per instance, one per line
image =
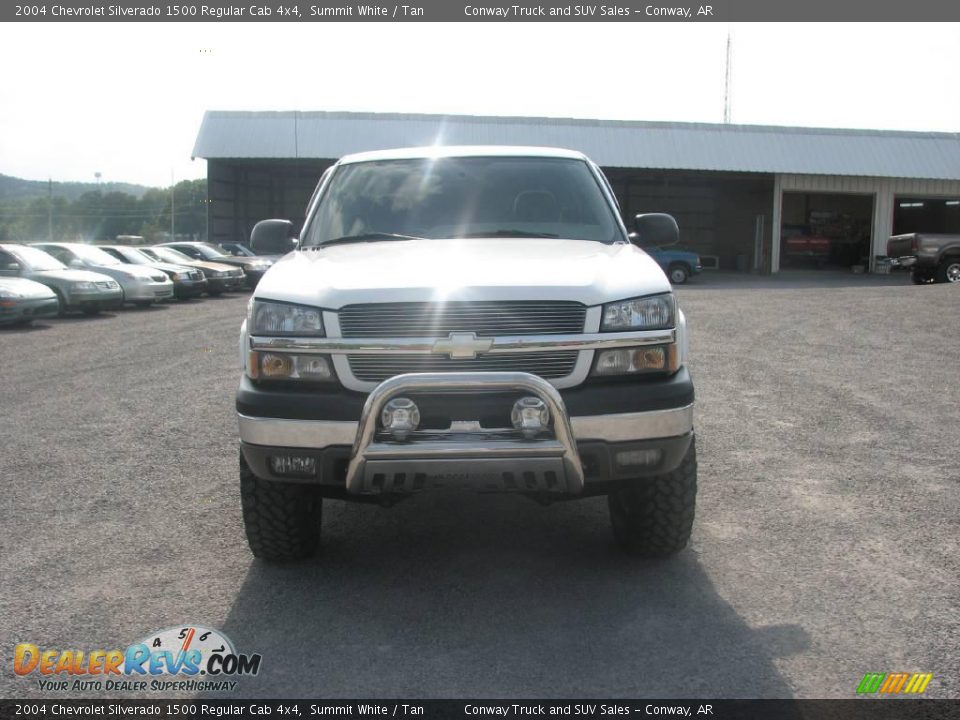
<point x="894" y="683"/>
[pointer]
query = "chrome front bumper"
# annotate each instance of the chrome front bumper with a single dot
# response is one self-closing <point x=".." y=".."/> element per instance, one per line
<point x="466" y="455"/>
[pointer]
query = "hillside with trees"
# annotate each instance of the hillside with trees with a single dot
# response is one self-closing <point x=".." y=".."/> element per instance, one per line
<point x="100" y="213"/>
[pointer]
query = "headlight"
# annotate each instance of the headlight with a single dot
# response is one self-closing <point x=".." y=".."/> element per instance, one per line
<point x="81" y="286"/>
<point x="176" y="277"/>
<point x="657" y="312"/>
<point x="629" y="361"/>
<point x="273" y="318"/>
<point x="281" y="366"/>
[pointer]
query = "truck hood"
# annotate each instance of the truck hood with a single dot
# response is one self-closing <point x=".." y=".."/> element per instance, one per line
<point x="463" y="269"/>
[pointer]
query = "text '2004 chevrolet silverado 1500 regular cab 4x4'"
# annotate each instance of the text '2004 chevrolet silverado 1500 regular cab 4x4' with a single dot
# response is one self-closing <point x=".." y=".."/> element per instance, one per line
<point x="468" y="318"/>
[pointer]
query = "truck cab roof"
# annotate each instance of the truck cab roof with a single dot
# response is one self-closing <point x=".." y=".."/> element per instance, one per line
<point x="441" y="151"/>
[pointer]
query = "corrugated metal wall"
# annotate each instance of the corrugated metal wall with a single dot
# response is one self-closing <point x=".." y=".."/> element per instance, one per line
<point x="883" y="190"/>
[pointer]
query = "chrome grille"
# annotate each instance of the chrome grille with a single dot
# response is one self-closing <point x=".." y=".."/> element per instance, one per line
<point x="548" y="365"/>
<point x="438" y="320"/>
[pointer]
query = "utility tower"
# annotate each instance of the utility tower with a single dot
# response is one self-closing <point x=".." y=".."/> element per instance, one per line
<point x="726" y="85"/>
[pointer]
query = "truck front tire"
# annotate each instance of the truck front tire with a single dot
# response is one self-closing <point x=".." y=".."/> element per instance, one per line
<point x="282" y="520"/>
<point x="653" y="517"/>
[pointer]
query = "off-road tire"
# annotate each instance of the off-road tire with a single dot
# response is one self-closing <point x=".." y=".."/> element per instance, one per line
<point x="282" y="520"/>
<point x="678" y="273"/>
<point x="949" y="271"/>
<point x="653" y="517"/>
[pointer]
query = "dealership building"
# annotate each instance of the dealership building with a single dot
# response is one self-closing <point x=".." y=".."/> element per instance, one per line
<point x="745" y="196"/>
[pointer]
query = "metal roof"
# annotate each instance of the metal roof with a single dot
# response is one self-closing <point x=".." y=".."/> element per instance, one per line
<point x="610" y="143"/>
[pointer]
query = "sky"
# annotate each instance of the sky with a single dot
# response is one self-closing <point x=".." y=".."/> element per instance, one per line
<point x="126" y="99"/>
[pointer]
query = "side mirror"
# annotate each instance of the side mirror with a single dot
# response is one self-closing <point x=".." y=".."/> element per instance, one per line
<point x="273" y="237"/>
<point x="10" y="269"/>
<point x="655" y="230"/>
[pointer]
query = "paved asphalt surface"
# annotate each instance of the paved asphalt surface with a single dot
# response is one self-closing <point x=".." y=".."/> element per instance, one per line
<point x="826" y="541"/>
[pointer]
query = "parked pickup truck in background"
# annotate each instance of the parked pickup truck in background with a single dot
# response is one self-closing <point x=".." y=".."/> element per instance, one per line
<point x="678" y="263"/>
<point x="931" y="257"/>
<point x="467" y="319"/>
<point x="800" y="242"/>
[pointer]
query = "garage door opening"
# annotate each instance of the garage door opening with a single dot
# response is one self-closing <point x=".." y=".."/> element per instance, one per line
<point x="825" y="230"/>
<point x="926" y="215"/>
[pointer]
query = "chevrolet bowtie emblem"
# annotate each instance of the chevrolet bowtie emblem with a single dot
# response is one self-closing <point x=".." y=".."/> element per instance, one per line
<point x="462" y="346"/>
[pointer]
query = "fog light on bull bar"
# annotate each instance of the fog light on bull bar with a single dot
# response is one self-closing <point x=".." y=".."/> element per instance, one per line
<point x="638" y="458"/>
<point x="530" y="416"/>
<point x="300" y="465"/>
<point x="399" y="417"/>
<point x="659" y="358"/>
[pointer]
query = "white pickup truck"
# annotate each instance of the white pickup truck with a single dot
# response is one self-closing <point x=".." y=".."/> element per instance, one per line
<point x="469" y="318"/>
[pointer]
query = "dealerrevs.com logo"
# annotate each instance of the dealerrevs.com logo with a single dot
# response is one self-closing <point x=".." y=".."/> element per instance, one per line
<point x="189" y="658"/>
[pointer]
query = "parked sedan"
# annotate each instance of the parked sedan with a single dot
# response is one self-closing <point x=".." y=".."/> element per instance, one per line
<point x="141" y="285"/>
<point x="187" y="282"/>
<point x="22" y="301"/>
<point x="220" y="278"/>
<point x="253" y="267"/>
<point x="83" y="290"/>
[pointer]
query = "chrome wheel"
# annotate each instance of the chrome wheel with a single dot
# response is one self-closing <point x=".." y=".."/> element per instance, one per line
<point x="952" y="272"/>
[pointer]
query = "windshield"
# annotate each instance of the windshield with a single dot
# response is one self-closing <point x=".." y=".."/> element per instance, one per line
<point x="168" y="255"/>
<point x="464" y="197"/>
<point x="132" y="256"/>
<point x="37" y="259"/>
<point x="239" y="251"/>
<point x="210" y="251"/>
<point x="94" y="255"/>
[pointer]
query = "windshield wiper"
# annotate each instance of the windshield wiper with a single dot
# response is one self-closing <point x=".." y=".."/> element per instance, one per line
<point x="506" y="232"/>
<point x="366" y="237"/>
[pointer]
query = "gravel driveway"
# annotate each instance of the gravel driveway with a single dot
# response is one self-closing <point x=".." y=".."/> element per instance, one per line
<point x="825" y="546"/>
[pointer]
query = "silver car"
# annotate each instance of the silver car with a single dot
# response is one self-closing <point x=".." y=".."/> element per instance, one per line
<point x="83" y="290"/>
<point x="22" y="301"/>
<point x="188" y="282"/>
<point x="141" y="285"/>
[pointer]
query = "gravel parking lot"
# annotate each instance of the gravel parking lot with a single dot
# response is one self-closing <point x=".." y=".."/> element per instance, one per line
<point x="825" y="546"/>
